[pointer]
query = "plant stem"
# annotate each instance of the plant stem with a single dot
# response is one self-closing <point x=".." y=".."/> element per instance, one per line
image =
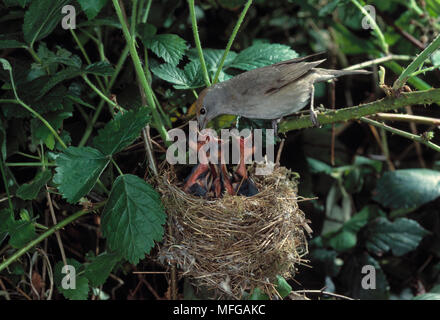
<point x="46" y="234"/>
<point x="98" y="110"/>
<point x="418" y="61"/>
<point x="117" y="167"/>
<point x="418" y="83"/>
<point x="99" y="92"/>
<point x="140" y="73"/>
<point x="147" y="11"/>
<point x="5" y="182"/>
<point x="28" y="108"/>
<point x="402" y="133"/>
<point x="376" y="28"/>
<point x="231" y="40"/>
<point x="407" y="118"/>
<point x="197" y="41"/>
<point x="29" y="164"/>
<point x="356" y="112"/>
<point x="378" y="61"/>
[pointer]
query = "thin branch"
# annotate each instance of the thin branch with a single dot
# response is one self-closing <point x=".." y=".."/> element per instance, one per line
<point x="357" y="112"/>
<point x="402" y="133"/>
<point x="406" y="118"/>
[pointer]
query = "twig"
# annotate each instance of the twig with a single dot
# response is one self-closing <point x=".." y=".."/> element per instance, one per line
<point x="387" y="58"/>
<point x="417" y="145"/>
<point x="403" y="133"/>
<point x="57" y="234"/>
<point x="406" y="118"/>
<point x="357" y="112"/>
<point x="330" y="294"/>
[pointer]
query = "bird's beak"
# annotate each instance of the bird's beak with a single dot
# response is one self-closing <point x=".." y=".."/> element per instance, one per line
<point x="202" y="124"/>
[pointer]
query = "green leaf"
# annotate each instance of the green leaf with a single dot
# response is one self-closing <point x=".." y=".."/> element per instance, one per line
<point x="29" y="191"/>
<point x="360" y="219"/>
<point x="11" y="44"/>
<point x="262" y="54"/>
<point x="257" y="294"/>
<point x="173" y="75"/>
<point x="81" y="290"/>
<point x="427" y="296"/>
<point x="41" y="18"/>
<point x="146" y="32"/>
<point x="408" y="188"/>
<point x="212" y="60"/>
<point x="101" y="68"/>
<point x="92" y="7"/>
<point x="21" y="232"/>
<point x="401" y="236"/>
<point x="121" y="131"/>
<point x="283" y="287"/>
<point x="41" y="133"/>
<point x="132" y="218"/>
<point x="317" y="166"/>
<point x="77" y="171"/>
<point x="99" y="269"/>
<point x="342" y="240"/>
<point x="170" y="47"/>
<point x="65" y="74"/>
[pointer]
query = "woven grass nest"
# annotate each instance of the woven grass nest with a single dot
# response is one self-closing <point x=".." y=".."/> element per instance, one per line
<point x="235" y="244"/>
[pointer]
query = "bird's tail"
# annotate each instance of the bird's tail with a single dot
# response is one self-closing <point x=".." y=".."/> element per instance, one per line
<point x="328" y="74"/>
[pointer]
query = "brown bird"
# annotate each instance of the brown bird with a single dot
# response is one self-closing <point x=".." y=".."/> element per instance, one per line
<point x="270" y="92"/>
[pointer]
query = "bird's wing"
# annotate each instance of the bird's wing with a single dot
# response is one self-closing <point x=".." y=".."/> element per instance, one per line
<point x="257" y="83"/>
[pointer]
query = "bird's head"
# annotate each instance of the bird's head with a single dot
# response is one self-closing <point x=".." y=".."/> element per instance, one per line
<point x="209" y="105"/>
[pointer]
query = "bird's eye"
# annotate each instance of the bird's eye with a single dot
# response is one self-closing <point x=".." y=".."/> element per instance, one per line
<point x="202" y="111"/>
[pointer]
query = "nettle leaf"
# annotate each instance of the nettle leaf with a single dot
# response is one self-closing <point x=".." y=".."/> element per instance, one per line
<point x="92" y="7"/>
<point x="132" y="218"/>
<point x="20" y="231"/>
<point x="99" y="269"/>
<point x="146" y="32"/>
<point x="41" y="18"/>
<point x="169" y="47"/>
<point x="212" y="60"/>
<point x="171" y="74"/>
<point x="408" y="188"/>
<point x="189" y="78"/>
<point x="101" y="68"/>
<point x="77" y="171"/>
<point x="65" y="74"/>
<point x="29" y="191"/>
<point x="401" y="236"/>
<point x="41" y="133"/>
<point x="121" y="131"/>
<point x="54" y="59"/>
<point x="81" y="288"/>
<point x="262" y="54"/>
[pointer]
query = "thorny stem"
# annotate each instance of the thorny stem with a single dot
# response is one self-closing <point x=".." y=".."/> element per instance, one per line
<point x="197" y="41"/>
<point x="231" y="40"/>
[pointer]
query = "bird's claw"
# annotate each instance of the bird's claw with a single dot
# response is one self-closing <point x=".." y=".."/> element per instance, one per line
<point x="314" y="118"/>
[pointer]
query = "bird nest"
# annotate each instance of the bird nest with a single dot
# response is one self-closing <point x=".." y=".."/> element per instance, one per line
<point x="235" y="244"/>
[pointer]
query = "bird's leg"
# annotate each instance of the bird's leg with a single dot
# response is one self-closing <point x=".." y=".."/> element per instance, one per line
<point x="275" y="126"/>
<point x="313" y="114"/>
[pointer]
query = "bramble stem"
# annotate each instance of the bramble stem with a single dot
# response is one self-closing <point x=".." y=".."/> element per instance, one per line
<point x="197" y="41"/>
<point x="231" y="40"/>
